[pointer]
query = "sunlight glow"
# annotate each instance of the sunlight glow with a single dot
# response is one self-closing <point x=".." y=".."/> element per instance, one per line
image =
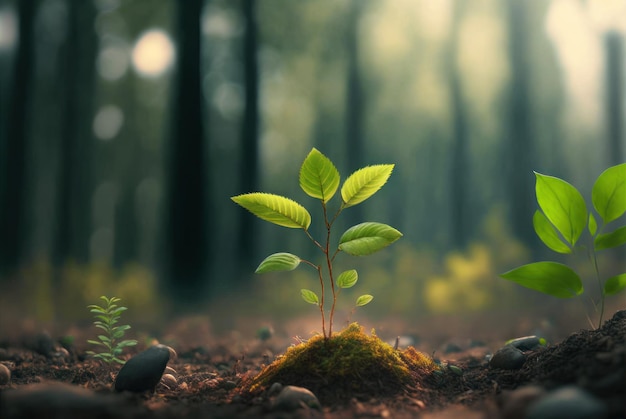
<point x="153" y="53"/>
<point x="580" y="53"/>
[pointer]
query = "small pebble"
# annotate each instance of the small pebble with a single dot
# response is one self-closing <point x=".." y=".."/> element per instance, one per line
<point x="275" y="388"/>
<point x="5" y="375"/>
<point x="568" y="402"/>
<point x="169" y="381"/>
<point x="507" y="358"/>
<point x="526" y="343"/>
<point x="143" y="371"/>
<point x="292" y="398"/>
<point x="229" y="385"/>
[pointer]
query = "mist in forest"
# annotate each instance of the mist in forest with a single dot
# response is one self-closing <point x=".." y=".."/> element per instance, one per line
<point x="127" y="126"/>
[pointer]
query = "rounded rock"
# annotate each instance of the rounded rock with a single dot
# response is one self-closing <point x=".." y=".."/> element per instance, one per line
<point x="569" y="402"/>
<point x="293" y="397"/>
<point x="169" y="381"/>
<point x="143" y="371"/>
<point x="5" y="375"/>
<point x="507" y="358"/>
<point x="526" y="343"/>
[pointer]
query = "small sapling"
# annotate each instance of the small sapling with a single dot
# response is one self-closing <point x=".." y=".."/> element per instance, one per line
<point x="106" y="318"/>
<point x="320" y="179"/>
<point x="560" y="223"/>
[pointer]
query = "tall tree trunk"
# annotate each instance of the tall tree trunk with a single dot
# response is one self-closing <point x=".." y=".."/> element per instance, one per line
<point x="614" y="47"/>
<point x="248" y="225"/>
<point x="188" y="209"/>
<point x="13" y="145"/>
<point x="73" y="226"/>
<point x="459" y="173"/>
<point x="520" y="146"/>
<point x="355" y="148"/>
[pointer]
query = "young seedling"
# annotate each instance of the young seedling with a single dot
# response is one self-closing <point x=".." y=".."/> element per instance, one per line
<point x="320" y="179"/>
<point x="560" y="224"/>
<point x="107" y="317"/>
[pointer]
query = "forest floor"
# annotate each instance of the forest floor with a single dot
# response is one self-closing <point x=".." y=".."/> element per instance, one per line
<point x="210" y="380"/>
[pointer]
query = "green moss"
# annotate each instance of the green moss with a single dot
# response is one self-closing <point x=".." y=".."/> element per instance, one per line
<point x="348" y="362"/>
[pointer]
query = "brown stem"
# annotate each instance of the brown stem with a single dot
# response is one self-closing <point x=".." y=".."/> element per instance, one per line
<point x="319" y="272"/>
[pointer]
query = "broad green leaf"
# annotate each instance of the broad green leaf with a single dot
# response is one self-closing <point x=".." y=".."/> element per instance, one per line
<point x="347" y="279"/>
<point x="364" y="183"/>
<point x="609" y="240"/>
<point x="547" y="233"/>
<point x="364" y="299"/>
<point x="615" y="284"/>
<point x="309" y="296"/>
<point x="278" y="262"/>
<point x="592" y="225"/>
<point x="125" y="343"/>
<point x="563" y="205"/>
<point x="319" y="177"/>
<point x="551" y="278"/>
<point x="275" y="209"/>
<point x="609" y="193"/>
<point x="367" y="238"/>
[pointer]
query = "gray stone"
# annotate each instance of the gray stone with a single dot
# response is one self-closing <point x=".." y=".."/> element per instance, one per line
<point x="60" y="400"/>
<point x="526" y="343"/>
<point x="568" y="402"/>
<point x="507" y="358"/>
<point x="143" y="371"/>
<point x="5" y="375"/>
<point x="514" y="404"/>
<point x="292" y="398"/>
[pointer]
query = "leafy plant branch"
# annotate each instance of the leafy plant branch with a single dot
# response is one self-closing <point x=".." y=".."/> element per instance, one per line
<point x="320" y="179"/>
<point x="560" y="222"/>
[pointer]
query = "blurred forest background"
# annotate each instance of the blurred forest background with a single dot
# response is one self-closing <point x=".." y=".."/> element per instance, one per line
<point x="126" y="126"/>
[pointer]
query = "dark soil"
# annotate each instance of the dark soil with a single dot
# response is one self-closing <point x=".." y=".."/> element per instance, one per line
<point x="212" y="382"/>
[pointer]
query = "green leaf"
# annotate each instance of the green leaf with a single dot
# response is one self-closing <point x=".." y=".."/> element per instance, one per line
<point x="347" y="279"/>
<point x="609" y="193"/>
<point x="364" y="299"/>
<point x="364" y="183"/>
<point x="125" y="343"/>
<point x="275" y="209"/>
<point x="278" y="262"/>
<point x="609" y="240"/>
<point x="319" y="177"/>
<point x="551" y="278"/>
<point x="563" y="205"/>
<point x="615" y="284"/>
<point x="309" y="296"/>
<point x="592" y="225"/>
<point x="547" y="233"/>
<point x="367" y="238"/>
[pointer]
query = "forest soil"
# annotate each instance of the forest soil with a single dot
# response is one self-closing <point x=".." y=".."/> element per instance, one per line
<point x="210" y="381"/>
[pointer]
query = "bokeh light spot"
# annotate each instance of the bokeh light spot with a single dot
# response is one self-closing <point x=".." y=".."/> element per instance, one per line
<point x="108" y="122"/>
<point x="153" y="53"/>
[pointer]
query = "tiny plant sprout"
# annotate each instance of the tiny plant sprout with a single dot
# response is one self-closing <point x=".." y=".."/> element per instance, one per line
<point x="106" y="318"/>
<point x="320" y="179"/>
<point x="560" y="223"/>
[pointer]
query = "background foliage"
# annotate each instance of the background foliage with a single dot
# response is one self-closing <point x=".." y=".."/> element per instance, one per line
<point x="125" y="126"/>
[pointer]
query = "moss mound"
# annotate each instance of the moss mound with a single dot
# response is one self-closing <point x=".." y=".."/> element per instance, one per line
<point x="349" y="364"/>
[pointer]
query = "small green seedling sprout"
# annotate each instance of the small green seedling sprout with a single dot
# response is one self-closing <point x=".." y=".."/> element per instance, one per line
<point x="320" y="179"/>
<point x="106" y="318"/>
<point x="560" y="223"/>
